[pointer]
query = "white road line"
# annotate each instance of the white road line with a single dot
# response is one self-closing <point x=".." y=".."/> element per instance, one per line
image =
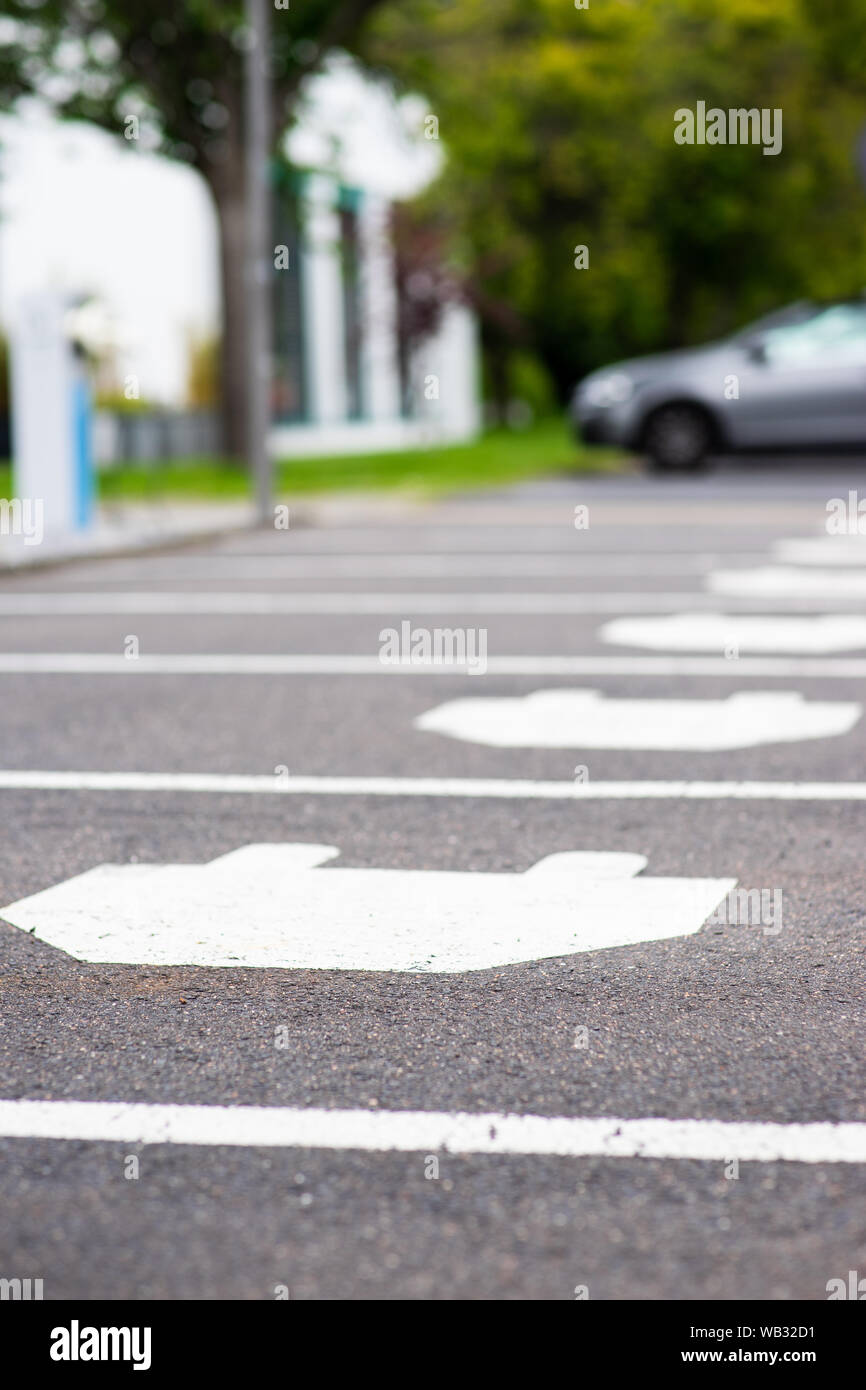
<point x="503" y="788"/>
<point x="775" y="582"/>
<point x="821" y="550"/>
<point x="423" y="1131"/>
<point x="348" y="664"/>
<point x="424" y="565"/>
<point x="458" y="538"/>
<point x="740" y="632"/>
<point x="76" y="604"/>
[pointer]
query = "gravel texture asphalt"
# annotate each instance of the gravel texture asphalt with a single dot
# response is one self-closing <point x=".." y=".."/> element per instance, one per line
<point x="731" y="1024"/>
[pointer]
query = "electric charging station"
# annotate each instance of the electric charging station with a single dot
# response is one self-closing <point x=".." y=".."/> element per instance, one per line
<point x="52" y="461"/>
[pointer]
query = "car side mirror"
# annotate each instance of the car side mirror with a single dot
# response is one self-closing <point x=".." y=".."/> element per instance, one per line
<point x="756" y="350"/>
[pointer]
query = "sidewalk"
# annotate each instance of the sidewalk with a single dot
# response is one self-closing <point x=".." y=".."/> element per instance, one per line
<point x="140" y="526"/>
<point x="124" y="528"/>
<point x="128" y="527"/>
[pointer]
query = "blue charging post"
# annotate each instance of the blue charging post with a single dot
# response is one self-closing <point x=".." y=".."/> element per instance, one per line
<point x="52" y="459"/>
<point x="82" y="429"/>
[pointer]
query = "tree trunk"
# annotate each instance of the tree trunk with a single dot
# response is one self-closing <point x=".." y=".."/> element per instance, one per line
<point x="227" y="185"/>
<point x="497" y="366"/>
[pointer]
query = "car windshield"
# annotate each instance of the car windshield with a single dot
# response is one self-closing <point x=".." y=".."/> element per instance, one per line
<point x="837" y="334"/>
<point x="800" y="312"/>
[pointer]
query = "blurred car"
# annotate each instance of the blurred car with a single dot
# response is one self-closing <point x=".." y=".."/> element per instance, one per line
<point x="794" y="378"/>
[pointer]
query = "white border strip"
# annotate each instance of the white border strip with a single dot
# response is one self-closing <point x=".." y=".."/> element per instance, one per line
<point x="434" y="565"/>
<point x="497" y="788"/>
<point x="347" y="664"/>
<point x="193" y="603"/>
<point x="421" y="1131"/>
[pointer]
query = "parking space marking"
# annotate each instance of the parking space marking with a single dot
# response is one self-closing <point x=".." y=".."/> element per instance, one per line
<point x="350" y="664"/>
<point x="273" y="906"/>
<point x="785" y="582"/>
<point x="429" y="564"/>
<point x="423" y="1131"/>
<point x="504" y="788"/>
<point x="739" y="632"/>
<point x="589" y="719"/>
<point x="155" y="920"/>
<point x="193" y="603"/>
<point x="821" y="550"/>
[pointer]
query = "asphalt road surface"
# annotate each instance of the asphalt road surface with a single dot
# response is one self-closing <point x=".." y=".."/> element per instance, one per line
<point x="756" y="1024"/>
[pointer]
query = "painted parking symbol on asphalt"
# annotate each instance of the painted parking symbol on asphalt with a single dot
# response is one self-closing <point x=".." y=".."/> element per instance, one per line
<point x="822" y="550"/>
<point x="272" y="905"/>
<point x="738" y="632"/>
<point x="588" y="719"/>
<point x="694" y="1049"/>
<point x="786" y="581"/>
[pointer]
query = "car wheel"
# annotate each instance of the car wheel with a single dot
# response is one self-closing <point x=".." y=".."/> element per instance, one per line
<point x="677" y="437"/>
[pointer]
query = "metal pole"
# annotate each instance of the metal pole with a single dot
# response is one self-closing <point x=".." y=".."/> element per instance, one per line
<point x="258" y="254"/>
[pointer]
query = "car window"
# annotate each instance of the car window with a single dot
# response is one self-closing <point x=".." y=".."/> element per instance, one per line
<point x="832" y="337"/>
<point x="779" y="318"/>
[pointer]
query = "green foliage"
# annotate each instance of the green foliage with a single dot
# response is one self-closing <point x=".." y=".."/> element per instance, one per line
<point x="498" y="457"/>
<point x="165" y="75"/>
<point x="119" y="404"/>
<point x="178" y="67"/>
<point x="202" y="386"/>
<point x="4" y="374"/>
<point x="529" y="381"/>
<point x="558" y="124"/>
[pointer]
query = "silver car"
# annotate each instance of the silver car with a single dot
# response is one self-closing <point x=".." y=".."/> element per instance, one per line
<point x="795" y="378"/>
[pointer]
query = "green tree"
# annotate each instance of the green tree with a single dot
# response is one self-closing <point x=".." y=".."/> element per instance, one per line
<point x="558" y="125"/>
<point x="178" y="68"/>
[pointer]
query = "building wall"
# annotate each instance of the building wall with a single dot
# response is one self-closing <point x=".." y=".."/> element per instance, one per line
<point x="336" y="364"/>
<point x="347" y="298"/>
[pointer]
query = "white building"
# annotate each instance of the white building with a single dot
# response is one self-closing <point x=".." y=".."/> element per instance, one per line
<point x="343" y="381"/>
<point x="85" y="214"/>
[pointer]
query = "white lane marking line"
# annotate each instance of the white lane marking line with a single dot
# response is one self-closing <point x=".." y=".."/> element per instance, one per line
<point x="425" y="1131"/>
<point x="348" y="664"/>
<point x="502" y="538"/>
<point x="785" y="582"/>
<point x="822" y="550"/>
<point x="498" y="788"/>
<point x="738" y="632"/>
<point x="103" y="603"/>
<point x="424" y="565"/>
<point x="272" y="906"/>
<point x="589" y="719"/>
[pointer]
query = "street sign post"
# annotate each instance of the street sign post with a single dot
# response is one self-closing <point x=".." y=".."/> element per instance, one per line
<point x="258" y="264"/>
